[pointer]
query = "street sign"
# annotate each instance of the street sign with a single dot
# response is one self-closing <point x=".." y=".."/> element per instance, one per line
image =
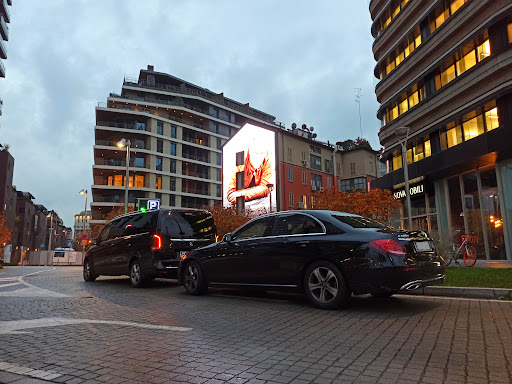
<point x="84" y="236"/>
<point x="153" y="204"/>
<point x="42" y="245"/>
<point x="84" y="242"/>
<point x="70" y="243"/>
<point x="144" y="205"/>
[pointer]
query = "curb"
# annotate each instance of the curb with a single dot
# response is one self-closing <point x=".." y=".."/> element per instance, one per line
<point x="465" y="292"/>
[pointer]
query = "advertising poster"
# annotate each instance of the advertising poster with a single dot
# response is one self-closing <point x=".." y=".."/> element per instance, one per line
<point x="249" y="167"/>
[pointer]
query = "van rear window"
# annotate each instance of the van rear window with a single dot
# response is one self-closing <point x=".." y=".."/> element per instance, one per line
<point x="358" y="222"/>
<point x="187" y="225"/>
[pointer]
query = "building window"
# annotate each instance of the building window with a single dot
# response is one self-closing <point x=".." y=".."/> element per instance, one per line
<point x="443" y="13"/>
<point x="172" y="185"/>
<point x="219" y="159"/>
<point x="397" y="161"/>
<point x="357" y="184"/>
<point x="316" y="181"/>
<point x="172" y="166"/>
<point x="473" y="125"/>
<point x="141" y="126"/>
<point x="491" y="119"/>
<point x="316" y="162"/>
<point x="405" y="48"/>
<point x="139" y="162"/>
<point x="159" y="163"/>
<point x="392" y="12"/>
<point x="304" y="201"/>
<point x="118" y="180"/>
<point x="159" y="128"/>
<point x="290" y="175"/>
<point x="215" y="128"/>
<point x="173" y="149"/>
<point x="219" y="191"/>
<point x="158" y="184"/>
<point x="328" y="182"/>
<point x="219" y="175"/>
<point x="304" y="178"/>
<point x="406" y="101"/>
<point x="160" y="146"/>
<point x="172" y="200"/>
<point x="219" y="144"/>
<point x="509" y="29"/>
<point x="352" y="168"/>
<point x="289" y="154"/>
<point x="173" y="131"/>
<point x="139" y="181"/>
<point x="290" y="199"/>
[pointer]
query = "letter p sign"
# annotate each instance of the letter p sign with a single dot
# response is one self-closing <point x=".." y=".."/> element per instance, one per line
<point x="153" y="204"/>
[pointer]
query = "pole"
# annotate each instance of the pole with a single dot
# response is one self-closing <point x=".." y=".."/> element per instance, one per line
<point x="270" y="195"/>
<point x="51" y="233"/>
<point x="403" y="143"/>
<point x="126" y="182"/>
<point x="85" y="218"/>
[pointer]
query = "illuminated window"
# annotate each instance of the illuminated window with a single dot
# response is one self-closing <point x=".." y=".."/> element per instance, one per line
<point x="509" y="28"/>
<point x="474" y="126"/>
<point x="484" y="50"/>
<point x="130" y="181"/>
<point x="414" y="99"/>
<point x="428" y="150"/>
<point x="397" y="162"/>
<point x="491" y="119"/>
<point x="393" y="114"/>
<point x="396" y="12"/>
<point x="386" y="22"/>
<point x="466" y="62"/>
<point x="409" y="156"/>
<point x="158" y="184"/>
<point x="400" y="58"/>
<point x="448" y="75"/>
<point x="455" y="5"/>
<point x="417" y="41"/>
<point x="110" y="181"/>
<point x="418" y="152"/>
<point x="118" y="180"/>
<point x="439" y="20"/>
<point x="390" y="67"/>
<point x="403" y="106"/>
<point x="451" y="137"/>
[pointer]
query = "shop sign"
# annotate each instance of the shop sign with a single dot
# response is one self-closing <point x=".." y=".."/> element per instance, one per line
<point x="416" y="190"/>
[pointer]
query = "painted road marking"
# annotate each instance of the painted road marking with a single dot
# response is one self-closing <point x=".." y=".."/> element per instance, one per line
<point x="19" y="326"/>
<point x="21" y="370"/>
<point x="30" y="290"/>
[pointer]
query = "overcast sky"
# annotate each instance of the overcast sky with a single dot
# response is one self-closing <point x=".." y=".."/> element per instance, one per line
<point x="297" y="60"/>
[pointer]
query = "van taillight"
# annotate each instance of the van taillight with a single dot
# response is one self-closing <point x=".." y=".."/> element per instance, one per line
<point x="157" y="242"/>
<point x="217" y="239"/>
<point x="390" y="247"/>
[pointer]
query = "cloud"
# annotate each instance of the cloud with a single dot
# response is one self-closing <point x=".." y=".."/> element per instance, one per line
<point x="299" y="61"/>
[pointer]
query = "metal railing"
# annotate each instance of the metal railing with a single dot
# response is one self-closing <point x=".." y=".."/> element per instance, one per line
<point x="194" y="157"/>
<point x="195" y="141"/>
<point x="117" y="163"/>
<point x="134" y="146"/>
<point x="5" y="27"/>
<point x="196" y="174"/>
<point x="196" y="191"/>
<point x="3" y="50"/>
<point x="195" y="92"/>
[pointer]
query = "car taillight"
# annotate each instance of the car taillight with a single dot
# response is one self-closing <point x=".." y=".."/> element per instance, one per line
<point x="157" y="242"/>
<point x="217" y="239"/>
<point x="390" y="247"/>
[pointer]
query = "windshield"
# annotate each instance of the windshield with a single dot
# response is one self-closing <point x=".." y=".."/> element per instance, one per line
<point x="188" y="225"/>
<point x="358" y="221"/>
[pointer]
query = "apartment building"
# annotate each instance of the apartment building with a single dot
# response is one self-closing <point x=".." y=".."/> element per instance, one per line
<point x="81" y="224"/>
<point x="284" y="168"/>
<point x="5" y="18"/>
<point x="445" y="75"/>
<point x="176" y="131"/>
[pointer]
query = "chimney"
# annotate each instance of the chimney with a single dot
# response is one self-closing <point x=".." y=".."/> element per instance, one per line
<point x="151" y="68"/>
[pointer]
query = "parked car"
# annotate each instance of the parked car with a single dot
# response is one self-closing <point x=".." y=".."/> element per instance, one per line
<point x="326" y="254"/>
<point x="146" y="245"/>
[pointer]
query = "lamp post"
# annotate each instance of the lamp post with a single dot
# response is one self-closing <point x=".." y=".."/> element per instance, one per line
<point x="126" y="143"/>
<point x="84" y="192"/>
<point x="270" y="189"/>
<point x="403" y="135"/>
<point x="50" y="215"/>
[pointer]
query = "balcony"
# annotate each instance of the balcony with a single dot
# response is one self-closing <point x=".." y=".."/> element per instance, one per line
<point x="2" y="69"/>
<point x="1" y="106"/>
<point x="119" y="163"/>
<point x="197" y="140"/>
<point x="194" y="92"/>
<point x="137" y="127"/>
<point x="136" y="144"/>
<point x="4" y="29"/>
<point x="5" y="10"/>
<point x="3" y="50"/>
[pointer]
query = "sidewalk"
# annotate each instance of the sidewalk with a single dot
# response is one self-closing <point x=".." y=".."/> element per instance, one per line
<point x="469" y="292"/>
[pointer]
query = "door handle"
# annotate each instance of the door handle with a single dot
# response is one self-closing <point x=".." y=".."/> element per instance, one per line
<point x="303" y="243"/>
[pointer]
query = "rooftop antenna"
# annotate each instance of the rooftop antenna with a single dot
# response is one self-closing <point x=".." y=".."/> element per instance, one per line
<point x="357" y="99"/>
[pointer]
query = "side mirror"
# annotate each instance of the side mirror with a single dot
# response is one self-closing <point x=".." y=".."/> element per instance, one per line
<point x="94" y="241"/>
<point x="227" y="237"/>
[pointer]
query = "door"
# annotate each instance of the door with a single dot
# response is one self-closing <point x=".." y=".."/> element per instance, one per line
<point x="234" y="262"/>
<point x="100" y="253"/>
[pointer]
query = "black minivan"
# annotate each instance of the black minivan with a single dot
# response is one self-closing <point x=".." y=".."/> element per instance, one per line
<point x="146" y="245"/>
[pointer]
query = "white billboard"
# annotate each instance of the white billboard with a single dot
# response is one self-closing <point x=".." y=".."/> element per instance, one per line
<point x="249" y="168"/>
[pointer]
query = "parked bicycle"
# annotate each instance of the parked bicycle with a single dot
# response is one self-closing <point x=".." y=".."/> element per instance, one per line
<point x="466" y="249"/>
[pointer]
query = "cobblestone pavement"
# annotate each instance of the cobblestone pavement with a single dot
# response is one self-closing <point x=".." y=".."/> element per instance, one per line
<point x="55" y="327"/>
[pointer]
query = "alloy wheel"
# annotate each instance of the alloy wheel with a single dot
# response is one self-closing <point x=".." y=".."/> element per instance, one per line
<point x="323" y="285"/>
<point x="135" y="273"/>
<point x="87" y="270"/>
<point x="191" y="277"/>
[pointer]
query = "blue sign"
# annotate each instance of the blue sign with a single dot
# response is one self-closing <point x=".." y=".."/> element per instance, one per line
<point x="42" y="245"/>
<point x="70" y="243"/>
<point x="153" y="204"/>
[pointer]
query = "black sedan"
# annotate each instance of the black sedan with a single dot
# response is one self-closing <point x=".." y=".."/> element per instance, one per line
<point x="327" y="255"/>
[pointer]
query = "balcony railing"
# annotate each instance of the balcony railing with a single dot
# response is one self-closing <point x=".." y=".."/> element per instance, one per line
<point x="190" y="204"/>
<point x="201" y="175"/>
<point x="3" y="50"/>
<point x="196" y="141"/>
<point x="196" y="191"/>
<point x="4" y="7"/>
<point x="195" y="92"/>
<point x="194" y="157"/>
<point x="134" y="145"/>
<point x="2" y="70"/>
<point x="5" y="29"/>
<point x="115" y="199"/>
<point x="117" y="163"/>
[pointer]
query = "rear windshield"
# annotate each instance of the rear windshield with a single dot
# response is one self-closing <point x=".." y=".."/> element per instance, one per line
<point x="358" y="222"/>
<point x="187" y="225"/>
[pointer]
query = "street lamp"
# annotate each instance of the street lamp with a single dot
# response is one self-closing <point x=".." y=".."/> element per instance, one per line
<point x="84" y="192"/>
<point x="270" y="189"/>
<point x="403" y="135"/>
<point x="50" y="215"/>
<point x="126" y="143"/>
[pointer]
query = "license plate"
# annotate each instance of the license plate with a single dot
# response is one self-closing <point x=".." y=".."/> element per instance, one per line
<point x="422" y="246"/>
<point x="180" y="253"/>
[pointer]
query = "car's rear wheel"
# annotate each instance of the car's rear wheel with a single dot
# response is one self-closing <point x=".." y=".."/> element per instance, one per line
<point x="193" y="279"/>
<point x="88" y="271"/>
<point x="325" y="286"/>
<point x="137" y="279"/>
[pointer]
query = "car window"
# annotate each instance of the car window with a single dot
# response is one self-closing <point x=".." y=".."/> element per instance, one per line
<point x="104" y="235"/>
<point x="289" y="225"/>
<point x="141" y="223"/>
<point x="257" y="228"/>
<point x="187" y="225"/>
<point x="358" y="221"/>
<point x="117" y="228"/>
<point x="312" y="226"/>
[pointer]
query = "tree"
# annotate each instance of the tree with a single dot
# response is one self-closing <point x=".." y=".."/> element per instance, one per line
<point x="378" y="204"/>
<point x="227" y="219"/>
<point x="116" y="210"/>
<point x="5" y="233"/>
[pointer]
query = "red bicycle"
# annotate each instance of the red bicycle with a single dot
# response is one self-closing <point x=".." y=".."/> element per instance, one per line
<point x="467" y="249"/>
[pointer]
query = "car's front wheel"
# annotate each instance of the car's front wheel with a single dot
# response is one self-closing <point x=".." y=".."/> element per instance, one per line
<point x="325" y="286"/>
<point x="193" y="279"/>
<point x="88" y="271"/>
<point x="137" y="278"/>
